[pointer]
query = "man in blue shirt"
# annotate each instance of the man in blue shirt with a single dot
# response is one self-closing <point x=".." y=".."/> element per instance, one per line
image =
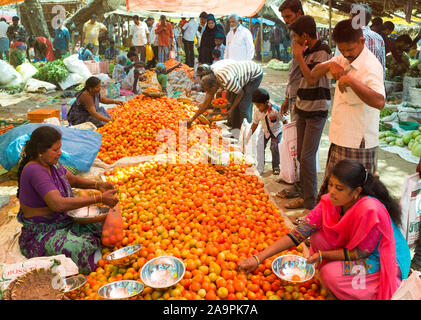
<point x="61" y="40"/>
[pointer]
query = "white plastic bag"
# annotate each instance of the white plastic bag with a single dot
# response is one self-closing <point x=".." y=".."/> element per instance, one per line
<point x="74" y="65"/>
<point x="8" y="73"/>
<point x="27" y="71"/>
<point x="411" y="208"/>
<point x="38" y="86"/>
<point x="288" y="153"/>
<point x="71" y="80"/>
<point x="410" y="288"/>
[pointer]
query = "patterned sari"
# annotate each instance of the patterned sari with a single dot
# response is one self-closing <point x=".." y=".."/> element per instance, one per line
<point x="58" y="234"/>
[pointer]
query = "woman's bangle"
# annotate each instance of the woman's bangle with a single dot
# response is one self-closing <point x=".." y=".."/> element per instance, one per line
<point x="94" y="198"/>
<point x="320" y="257"/>
<point x="257" y="259"/>
<point x="96" y="185"/>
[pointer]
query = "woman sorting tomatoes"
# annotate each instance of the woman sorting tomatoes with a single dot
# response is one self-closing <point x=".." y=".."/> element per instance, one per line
<point x="354" y="237"/>
<point x="45" y="195"/>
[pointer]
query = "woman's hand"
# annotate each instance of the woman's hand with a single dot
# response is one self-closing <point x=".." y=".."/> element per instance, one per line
<point x="118" y="102"/>
<point x="104" y="186"/>
<point x="109" y="199"/>
<point x="248" y="265"/>
<point x="315" y="258"/>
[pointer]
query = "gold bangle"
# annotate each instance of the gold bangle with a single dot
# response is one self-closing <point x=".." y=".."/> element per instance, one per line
<point x="94" y="198"/>
<point x="257" y="259"/>
<point x="101" y="197"/>
<point x="320" y="257"/>
<point x="96" y="185"/>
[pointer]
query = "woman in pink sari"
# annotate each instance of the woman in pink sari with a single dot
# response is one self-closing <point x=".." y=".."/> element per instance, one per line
<point x="355" y="240"/>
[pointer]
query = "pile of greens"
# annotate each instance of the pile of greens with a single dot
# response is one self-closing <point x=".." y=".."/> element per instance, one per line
<point x="13" y="89"/>
<point x="385" y="112"/>
<point x="53" y="72"/>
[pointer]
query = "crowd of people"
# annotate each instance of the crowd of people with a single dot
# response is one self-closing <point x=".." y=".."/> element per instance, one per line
<point x="351" y="219"/>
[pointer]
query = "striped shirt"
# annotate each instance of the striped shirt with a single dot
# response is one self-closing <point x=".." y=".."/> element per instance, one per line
<point x="314" y="98"/>
<point x="235" y="75"/>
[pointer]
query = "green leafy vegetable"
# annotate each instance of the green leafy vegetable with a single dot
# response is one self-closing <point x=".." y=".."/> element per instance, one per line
<point x="53" y="72"/>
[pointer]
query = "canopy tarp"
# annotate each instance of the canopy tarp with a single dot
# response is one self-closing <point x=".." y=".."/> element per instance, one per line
<point x="5" y="2"/>
<point x="257" y="20"/>
<point x="246" y="8"/>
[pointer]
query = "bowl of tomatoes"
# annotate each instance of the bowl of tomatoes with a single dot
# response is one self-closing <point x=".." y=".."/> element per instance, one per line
<point x="293" y="268"/>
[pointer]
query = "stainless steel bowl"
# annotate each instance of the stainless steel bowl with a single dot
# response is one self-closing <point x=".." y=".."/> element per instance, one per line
<point x="162" y="272"/>
<point x="285" y="267"/>
<point x="121" y="289"/>
<point x="89" y="214"/>
<point x="121" y="255"/>
<point x="73" y="283"/>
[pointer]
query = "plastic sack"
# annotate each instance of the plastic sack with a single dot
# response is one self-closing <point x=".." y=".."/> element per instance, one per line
<point x="26" y="70"/>
<point x="8" y="73"/>
<point x="71" y="80"/>
<point x="253" y="150"/>
<point x="112" y="230"/>
<point x="38" y="86"/>
<point x="149" y="53"/>
<point x="79" y="147"/>
<point x="411" y="209"/>
<point x="410" y="288"/>
<point x="74" y="65"/>
<point x="288" y="153"/>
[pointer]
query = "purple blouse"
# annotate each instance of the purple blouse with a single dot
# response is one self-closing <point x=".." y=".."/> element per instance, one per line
<point x="36" y="182"/>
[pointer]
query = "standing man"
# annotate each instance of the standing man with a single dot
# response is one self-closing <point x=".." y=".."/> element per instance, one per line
<point x="203" y="21"/>
<point x="358" y="99"/>
<point x="16" y="32"/>
<point x="165" y="38"/>
<point x="275" y="41"/>
<point x="189" y="33"/>
<point x="91" y="32"/>
<point x="373" y="40"/>
<point x="377" y="25"/>
<point x="291" y="10"/>
<point x="61" y="40"/>
<point x="4" y="40"/>
<point x="240" y="44"/>
<point x="153" y="41"/>
<point x="139" y="37"/>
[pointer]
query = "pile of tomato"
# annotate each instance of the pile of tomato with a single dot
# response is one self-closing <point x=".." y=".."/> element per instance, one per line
<point x="141" y="125"/>
<point x="209" y="217"/>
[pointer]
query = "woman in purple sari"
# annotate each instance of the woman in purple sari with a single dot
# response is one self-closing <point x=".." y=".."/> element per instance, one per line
<point x="45" y="194"/>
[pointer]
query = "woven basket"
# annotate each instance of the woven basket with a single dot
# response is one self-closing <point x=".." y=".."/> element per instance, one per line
<point x="153" y="94"/>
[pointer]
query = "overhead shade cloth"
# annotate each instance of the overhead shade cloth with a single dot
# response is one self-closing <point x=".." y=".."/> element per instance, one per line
<point x="4" y="2"/>
<point x="245" y="8"/>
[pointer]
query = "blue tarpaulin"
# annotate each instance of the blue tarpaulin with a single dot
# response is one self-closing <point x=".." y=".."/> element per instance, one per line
<point x="257" y="20"/>
<point x="79" y="147"/>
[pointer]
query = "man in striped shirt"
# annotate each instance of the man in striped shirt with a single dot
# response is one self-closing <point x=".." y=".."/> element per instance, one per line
<point x="237" y="77"/>
<point x="373" y="41"/>
<point x="311" y="107"/>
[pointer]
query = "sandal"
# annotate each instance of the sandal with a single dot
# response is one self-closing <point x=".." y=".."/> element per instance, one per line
<point x="295" y="204"/>
<point x="287" y="194"/>
<point x="276" y="172"/>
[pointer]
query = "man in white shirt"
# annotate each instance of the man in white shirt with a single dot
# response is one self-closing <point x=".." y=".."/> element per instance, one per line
<point x="153" y="41"/>
<point x="139" y="36"/>
<point x="189" y="33"/>
<point x="358" y="99"/>
<point x="240" y="44"/>
<point x="4" y="40"/>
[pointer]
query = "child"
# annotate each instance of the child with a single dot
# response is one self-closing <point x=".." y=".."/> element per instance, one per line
<point x="216" y="55"/>
<point x="111" y="53"/>
<point x="161" y="75"/>
<point x="311" y="107"/>
<point x="269" y="115"/>
<point x="219" y="44"/>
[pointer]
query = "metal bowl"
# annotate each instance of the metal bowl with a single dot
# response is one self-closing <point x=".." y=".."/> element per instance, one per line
<point x="285" y="267"/>
<point x="121" y="256"/>
<point x="121" y="289"/>
<point x="73" y="283"/>
<point x="162" y="272"/>
<point x="88" y="214"/>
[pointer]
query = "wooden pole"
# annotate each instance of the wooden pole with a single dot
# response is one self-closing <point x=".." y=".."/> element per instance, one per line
<point x="261" y="36"/>
<point x="330" y="23"/>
